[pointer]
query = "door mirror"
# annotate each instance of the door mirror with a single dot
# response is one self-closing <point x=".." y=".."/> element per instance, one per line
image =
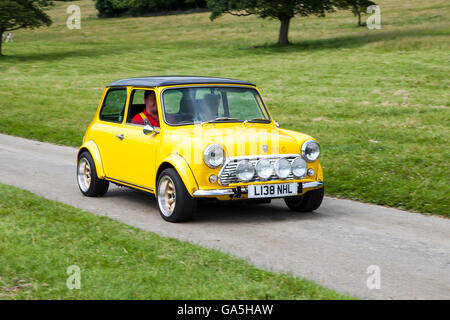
<point x="148" y="129"/>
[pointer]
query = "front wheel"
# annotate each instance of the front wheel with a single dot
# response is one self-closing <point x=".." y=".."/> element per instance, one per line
<point x="88" y="182"/>
<point x="174" y="202"/>
<point x="308" y="202"/>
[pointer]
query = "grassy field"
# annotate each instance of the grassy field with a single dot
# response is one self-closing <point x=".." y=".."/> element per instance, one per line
<point x="40" y="239"/>
<point x="377" y="100"/>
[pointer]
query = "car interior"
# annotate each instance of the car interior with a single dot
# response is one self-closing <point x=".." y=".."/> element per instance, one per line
<point x="134" y="110"/>
<point x="190" y="110"/>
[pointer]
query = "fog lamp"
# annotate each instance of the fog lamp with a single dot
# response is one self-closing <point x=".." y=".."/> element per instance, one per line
<point x="283" y="168"/>
<point x="245" y="171"/>
<point x="264" y="169"/>
<point x="213" y="178"/>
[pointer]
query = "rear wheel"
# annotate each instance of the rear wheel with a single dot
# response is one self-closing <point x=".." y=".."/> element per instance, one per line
<point x="174" y="202"/>
<point x="308" y="202"/>
<point x="88" y="182"/>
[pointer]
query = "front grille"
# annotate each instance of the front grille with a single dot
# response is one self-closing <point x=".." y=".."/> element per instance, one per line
<point x="228" y="173"/>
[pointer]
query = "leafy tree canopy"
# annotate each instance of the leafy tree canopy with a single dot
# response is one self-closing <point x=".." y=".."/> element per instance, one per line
<point x="269" y="8"/>
<point x="113" y="8"/>
<point x="283" y="10"/>
<point x="356" y="6"/>
<point x="17" y="14"/>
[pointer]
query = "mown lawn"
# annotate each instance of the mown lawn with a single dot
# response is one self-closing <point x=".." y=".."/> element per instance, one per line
<point x="377" y="100"/>
<point x="40" y="239"/>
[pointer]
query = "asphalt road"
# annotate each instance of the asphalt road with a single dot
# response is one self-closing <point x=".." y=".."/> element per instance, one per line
<point x="334" y="246"/>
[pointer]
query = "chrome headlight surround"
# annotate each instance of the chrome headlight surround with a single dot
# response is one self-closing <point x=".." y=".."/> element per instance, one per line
<point x="245" y="171"/>
<point x="310" y="150"/>
<point x="299" y="167"/>
<point x="214" y="156"/>
<point x="264" y="169"/>
<point x="283" y="168"/>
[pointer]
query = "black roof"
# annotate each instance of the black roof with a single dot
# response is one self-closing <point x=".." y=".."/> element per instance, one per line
<point x="159" y="81"/>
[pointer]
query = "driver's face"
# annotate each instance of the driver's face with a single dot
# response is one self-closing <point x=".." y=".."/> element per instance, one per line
<point x="150" y="105"/>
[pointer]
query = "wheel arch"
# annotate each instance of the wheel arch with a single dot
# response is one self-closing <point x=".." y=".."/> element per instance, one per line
<point x="92" y="148"/>
<point x="180" y="165"/>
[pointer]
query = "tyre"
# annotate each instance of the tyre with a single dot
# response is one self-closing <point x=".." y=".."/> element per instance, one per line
<point x="88" y="182"/>
<point x="308" y="202"/>
<point x="174" y="202"/>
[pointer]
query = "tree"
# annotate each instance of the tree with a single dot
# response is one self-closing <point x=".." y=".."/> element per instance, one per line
<point x="283" y="10"/>
<point x="16" y="14"/>
<point x="356" y="6"/>
<point x="116" y="8"/>
<point x="106" y="8"/>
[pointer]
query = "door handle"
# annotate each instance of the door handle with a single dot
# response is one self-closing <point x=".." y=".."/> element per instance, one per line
<point x="120" y="136"/>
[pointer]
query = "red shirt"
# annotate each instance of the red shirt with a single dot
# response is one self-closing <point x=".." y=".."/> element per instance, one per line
<point x="137" y="119"/>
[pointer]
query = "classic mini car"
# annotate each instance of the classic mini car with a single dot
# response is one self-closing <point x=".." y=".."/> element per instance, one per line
<point x="215" y="139"/>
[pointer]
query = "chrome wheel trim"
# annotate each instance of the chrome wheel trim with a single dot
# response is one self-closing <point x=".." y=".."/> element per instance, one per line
<point x="166" y="196"/>
<point x="84" y="174"/>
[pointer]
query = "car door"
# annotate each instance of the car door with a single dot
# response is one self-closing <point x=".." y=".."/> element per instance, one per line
<point x="139" y="153"/>
<point x="109" y="132"/>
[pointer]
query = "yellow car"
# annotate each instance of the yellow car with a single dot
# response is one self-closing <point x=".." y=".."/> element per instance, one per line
<point x="185" y="138"/>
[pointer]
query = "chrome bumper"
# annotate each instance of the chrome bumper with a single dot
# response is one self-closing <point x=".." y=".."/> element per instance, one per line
<point x="243" y="190"/>
<point x="314" y="184"/>
<point x="216" y="192"/>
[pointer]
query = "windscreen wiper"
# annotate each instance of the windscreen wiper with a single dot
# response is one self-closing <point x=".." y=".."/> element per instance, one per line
<point x="255" y="120"/>
<point x="220" y="119"/>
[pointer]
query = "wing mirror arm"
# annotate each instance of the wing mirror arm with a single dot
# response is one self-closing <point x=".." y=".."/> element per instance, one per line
<point x="148" y="129"/>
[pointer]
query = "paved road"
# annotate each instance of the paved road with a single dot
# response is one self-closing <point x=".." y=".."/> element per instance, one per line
<point x="333" y="246"/>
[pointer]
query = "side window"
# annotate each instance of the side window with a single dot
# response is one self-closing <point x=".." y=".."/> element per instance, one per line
<point x="114" y="105"/>
<point x="137" y="103"/>
<point x="138" y="96"/>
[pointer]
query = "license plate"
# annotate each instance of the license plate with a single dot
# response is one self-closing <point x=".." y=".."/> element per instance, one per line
<point x="272" y="190"/>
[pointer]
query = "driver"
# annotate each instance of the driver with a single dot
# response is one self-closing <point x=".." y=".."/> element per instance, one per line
<point x="150" y="113"/>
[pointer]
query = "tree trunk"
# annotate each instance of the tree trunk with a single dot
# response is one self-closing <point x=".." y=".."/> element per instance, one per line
<point x="359" y="19"/>
<point x="284" y="30"/>
<point x="1" y="41"/>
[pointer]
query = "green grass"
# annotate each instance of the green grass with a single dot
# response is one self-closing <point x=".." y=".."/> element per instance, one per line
<point x="40" y="239"/>
<point x="377" y="100"/>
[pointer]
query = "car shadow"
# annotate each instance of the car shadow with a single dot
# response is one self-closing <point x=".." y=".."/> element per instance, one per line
<point x="220" y="211"/>
<point x="242" y="212"/>
<point x="136" y="197"/>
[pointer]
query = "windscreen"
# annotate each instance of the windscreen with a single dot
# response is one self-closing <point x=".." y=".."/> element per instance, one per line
<point x="213" y="104"/>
